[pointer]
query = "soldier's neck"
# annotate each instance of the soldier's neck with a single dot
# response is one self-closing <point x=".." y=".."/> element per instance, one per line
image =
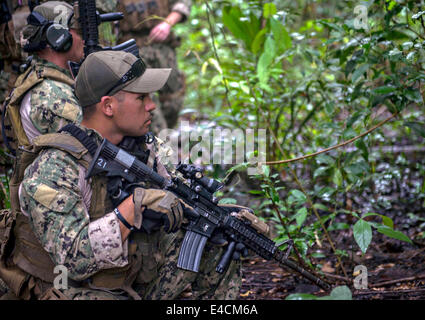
<point x="103" y="128"/>
<point x="54" y="57"/>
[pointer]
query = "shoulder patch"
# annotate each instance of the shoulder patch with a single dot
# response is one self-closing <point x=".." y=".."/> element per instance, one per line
<point x="71" y="111"/>
<point x="45" y="195"/>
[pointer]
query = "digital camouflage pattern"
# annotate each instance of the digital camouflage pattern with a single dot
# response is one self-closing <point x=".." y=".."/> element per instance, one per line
<point x="52" y="195"/>
<point x="160" y="279"/>
<point x="53" y="103"/>
<point x="3" y="287"/>
<point x="170" y="98"/>
<point x="10" y="50"/>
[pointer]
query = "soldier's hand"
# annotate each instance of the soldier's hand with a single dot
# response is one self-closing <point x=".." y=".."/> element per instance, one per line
<point x="159" y="208"/>
<point x="160" y="32"/>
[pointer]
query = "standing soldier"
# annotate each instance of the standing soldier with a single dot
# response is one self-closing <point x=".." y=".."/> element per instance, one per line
<point x="13" y="18"/>
<point x="42" y="99"/>
<point x="150" y="22"/>
<point x="13" y="15"/>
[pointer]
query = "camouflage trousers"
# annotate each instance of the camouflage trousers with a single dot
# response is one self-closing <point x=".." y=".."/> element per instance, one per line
<point x="160" y="279"/>
<point x="3" y="287"/>
<point x="170" y="98"/>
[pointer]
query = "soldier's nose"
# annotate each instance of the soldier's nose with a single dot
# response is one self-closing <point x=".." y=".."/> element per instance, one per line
<point x="149" y="104"/>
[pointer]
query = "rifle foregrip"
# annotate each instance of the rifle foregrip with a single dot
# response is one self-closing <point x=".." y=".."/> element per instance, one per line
<point x="191" y="251"/>
<point x="226" y="258"/>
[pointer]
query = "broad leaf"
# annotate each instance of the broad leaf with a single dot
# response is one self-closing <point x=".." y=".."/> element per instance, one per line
<point x="362" y="234"/>
<point x="393" y="234"/>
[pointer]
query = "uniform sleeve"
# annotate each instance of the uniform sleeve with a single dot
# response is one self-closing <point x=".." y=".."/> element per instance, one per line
<point x="50" y="195"/>
<point x="181" y="6"/>
<point x="53" y="105"/>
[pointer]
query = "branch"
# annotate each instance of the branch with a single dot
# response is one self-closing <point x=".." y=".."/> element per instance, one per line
<point x="333" y="147"/>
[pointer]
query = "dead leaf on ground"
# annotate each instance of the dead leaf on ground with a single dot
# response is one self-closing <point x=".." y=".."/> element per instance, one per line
<point x="246" y="294"/>
<point x="327" y="267"/>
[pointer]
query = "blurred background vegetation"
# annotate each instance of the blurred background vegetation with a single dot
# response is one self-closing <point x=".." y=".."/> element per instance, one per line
<point x="316" y="74"/>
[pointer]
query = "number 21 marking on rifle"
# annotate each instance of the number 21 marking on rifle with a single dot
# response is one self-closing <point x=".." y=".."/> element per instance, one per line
<point x="101" y="162"/>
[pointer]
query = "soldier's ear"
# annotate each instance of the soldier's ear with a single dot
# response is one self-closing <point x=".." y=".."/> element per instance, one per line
<point x="106" y="106"/>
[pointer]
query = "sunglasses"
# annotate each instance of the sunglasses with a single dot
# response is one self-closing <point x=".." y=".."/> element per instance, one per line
<point x="137" y="69"/>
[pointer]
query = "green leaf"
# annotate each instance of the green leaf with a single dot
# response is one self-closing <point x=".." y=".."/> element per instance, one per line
<point x="326" y="192"/>
<point x="269" y="10"/>
<point x="383" y="90"/>
<point x="266" y="170"/>
<point x="337" y="177"/>
<point x="320" y="206"/>
<point x="228" y="201"/>
<point x="393" y="234"/>
<point x="324" y="158"/>
<point x="341" y="293"/>
<point x="339" y="226"/>
<point x="270" y="47"/>
<point x="301" y="296"/>
<point x="298" y="195"/>
<point x="387" y="221"/>
<point x="282" y="37"/>
<point x="413" y="95"/>
<point x="266" y="60"/>
<point x="332" y="26"/>
<point x="360" y="70"/>
<point x="362" y="234"/>
<point x="263" y="72"/>
<point x="338" y="293"/>
<point x="320" y="172"/>
<point x="232" y="20"/>
<point x="418" y="127"/>
<point x="362" y="146"/>
<point x="258" y="42"/>
<point x="301" y="215"/>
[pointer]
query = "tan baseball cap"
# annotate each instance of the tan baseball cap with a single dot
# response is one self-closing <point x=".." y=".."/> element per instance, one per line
<point x="104" y="73"/>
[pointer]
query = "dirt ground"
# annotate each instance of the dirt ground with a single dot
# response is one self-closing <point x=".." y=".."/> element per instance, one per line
<point x="395" y="271"/>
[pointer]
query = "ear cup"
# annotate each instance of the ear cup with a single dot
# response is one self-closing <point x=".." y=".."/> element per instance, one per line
<point x="59" y="38"/>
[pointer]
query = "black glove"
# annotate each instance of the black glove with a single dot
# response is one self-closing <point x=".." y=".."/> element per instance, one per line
<point x="153" y="221"/>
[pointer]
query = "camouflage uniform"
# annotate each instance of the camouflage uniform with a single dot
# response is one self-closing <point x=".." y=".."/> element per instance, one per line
<point x="137" y="24"/>
<point x="49" y="105"/>
<point x="10" y="50"/>
<point x="57" y="199"/>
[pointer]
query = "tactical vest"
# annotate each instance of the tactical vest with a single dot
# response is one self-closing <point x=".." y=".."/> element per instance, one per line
<point x="12" y="126"/>
<point x="22" y="257"/>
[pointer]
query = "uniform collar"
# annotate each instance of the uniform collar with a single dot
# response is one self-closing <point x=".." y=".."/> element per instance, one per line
<point x="44" y="63"/>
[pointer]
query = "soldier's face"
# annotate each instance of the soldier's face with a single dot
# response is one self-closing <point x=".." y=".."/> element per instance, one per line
<point x="133" y="113"/>
<point x="76" y="53"/>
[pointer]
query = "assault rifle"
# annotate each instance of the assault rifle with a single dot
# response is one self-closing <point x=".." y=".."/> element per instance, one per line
<point x="207" y="217"/>
<point x="89" y="20"/>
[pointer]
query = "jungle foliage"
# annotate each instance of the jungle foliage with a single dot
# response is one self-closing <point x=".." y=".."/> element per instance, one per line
<point x="314" y="74"/>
